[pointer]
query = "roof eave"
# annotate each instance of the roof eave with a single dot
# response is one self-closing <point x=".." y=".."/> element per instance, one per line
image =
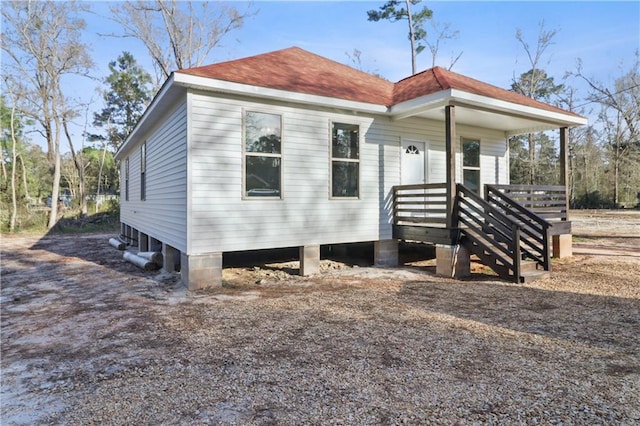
<point x="420" y="104"/>
<point x="157" y="103"/>
<point x="554" y="119"/>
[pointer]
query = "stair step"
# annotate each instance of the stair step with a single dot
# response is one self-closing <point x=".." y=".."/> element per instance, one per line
<point x="530" y="276"/>
<point x="528" y="266"/>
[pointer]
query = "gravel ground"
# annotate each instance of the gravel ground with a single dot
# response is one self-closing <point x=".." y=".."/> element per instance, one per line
<point x="89" y="339"/>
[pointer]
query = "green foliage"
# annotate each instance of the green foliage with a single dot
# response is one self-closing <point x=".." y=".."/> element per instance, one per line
<point x="396" y="10"/>
<point x="128" y="93"/>
<point x="536" y="84"/>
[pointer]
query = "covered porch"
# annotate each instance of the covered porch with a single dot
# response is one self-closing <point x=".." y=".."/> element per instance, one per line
<point x="514" y="229"/>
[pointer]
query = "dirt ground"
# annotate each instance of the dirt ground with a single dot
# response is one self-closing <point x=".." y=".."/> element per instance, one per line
<point x="87" y="338"/>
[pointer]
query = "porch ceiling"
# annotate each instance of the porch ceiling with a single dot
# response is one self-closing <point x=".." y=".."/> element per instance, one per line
<point x="509" y="124"/>
<point x="481" y="111"/>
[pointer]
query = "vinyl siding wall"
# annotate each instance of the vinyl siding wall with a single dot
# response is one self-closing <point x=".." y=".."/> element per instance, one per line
<point x="163" y="214"/>
<point x="221" y="220"/>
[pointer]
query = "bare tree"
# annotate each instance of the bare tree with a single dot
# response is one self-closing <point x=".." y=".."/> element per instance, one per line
<point x="177" y="34"/>
<point x="535" y="84"/>
<point x="14" y="159"/>
<point x="620" y="117"/>
<point x="42" y="40"/>
<point x="441" y="32"/>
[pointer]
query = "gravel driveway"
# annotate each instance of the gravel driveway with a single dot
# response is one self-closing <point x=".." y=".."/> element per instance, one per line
<point x="89" y="339"/>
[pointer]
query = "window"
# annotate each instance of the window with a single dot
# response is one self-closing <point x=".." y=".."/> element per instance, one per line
<point x="126" y="179"/>
<point x="345" y="160"/>
<point x="143" y="171"/>
<point x="263" y="155"/>
<point x="471" y="164"/>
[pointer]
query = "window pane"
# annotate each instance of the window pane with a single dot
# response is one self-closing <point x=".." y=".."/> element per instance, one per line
<point x="472" y="180"/>
<point x="143" y="157"/>
<point x="470" y="153"/>
<point x="263" y="133"/>
<point x="262" y="177"/>
<point x="345" y="179"/>
<point x="345" y="139"/>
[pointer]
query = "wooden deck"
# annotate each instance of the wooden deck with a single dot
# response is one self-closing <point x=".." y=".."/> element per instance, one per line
<point x="509" y="229"/>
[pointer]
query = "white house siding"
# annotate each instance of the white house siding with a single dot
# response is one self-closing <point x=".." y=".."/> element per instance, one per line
<point x="221" y="220"/>
<point x="162" y="215"/>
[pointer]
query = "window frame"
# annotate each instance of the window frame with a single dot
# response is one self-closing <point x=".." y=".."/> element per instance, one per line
<point x="143" y="171"/>
<point x="333" y="159"/>
<point x="245" y="154"/>
<point x="472" y="168"/>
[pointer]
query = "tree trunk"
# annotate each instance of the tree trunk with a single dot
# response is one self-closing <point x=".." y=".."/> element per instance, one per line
<point x="24" y="178"/>
<point x="55" y="191"/>
<point x="616" y="177"/>
<point x="104" y="154"/>
<point x="412" y="38"/>
<point x="532" y="158"/>
<point x="14" y="198"/>
<point x="77" y="161"/>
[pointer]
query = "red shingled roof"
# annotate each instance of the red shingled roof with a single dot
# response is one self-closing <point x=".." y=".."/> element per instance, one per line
<point x="297" y="70"/>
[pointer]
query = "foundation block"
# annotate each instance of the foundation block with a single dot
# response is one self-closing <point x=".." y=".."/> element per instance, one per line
<point x="452" y="261"/>
<point x="309" y="260"/>
<point x="201" y="271"/>
<point x="385" y="253"/>
<point x="168" y="258"/>
<point x="562" y="246"/>
<point x="143" y="241"/>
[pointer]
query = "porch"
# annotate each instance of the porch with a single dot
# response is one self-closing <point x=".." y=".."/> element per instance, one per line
<point x="513" y="229"/>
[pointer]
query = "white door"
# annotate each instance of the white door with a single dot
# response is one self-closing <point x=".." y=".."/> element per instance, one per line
<point x="412" y="164"/>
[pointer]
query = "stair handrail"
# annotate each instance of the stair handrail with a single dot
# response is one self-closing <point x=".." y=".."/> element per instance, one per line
<point x="490" y="210"/>
<point x="542" y="224"/>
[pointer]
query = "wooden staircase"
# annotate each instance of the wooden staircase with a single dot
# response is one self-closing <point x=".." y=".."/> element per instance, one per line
<point x="508" y="238"/>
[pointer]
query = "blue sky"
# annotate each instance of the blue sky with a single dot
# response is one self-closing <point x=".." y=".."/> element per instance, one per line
<point x="604" y="35"/>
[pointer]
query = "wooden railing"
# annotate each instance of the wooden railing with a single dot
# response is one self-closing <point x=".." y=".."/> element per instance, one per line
<point x="490" y="234"/>
<point x="534" y="234"/>
<point x="549" y="202"/>
<point x="420" y="204"/>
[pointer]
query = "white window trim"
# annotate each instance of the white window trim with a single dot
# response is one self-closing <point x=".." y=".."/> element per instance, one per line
<point x="346" y="160"/>
<point x="246" y="154"/>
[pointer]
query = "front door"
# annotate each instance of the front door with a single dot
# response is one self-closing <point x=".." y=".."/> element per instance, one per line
<point x="412" y="165"/>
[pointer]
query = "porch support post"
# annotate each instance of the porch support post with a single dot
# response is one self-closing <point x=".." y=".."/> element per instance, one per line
<point x="562" y="244"/>
<point x="564" y="164"/>
<point x="450" y="149"/>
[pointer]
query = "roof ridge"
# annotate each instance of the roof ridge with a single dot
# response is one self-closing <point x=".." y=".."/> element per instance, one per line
<point x="441" y="78"/>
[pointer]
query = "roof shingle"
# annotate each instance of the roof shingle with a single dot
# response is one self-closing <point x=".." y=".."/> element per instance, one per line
<point x="297" y="70"/>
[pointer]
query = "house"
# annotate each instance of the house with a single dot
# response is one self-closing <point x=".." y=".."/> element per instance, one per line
<point x="291" y="149"/>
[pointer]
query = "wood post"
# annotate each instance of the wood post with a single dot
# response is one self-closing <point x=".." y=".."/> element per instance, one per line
<point x="564" y="164"/>
<point x="450" y="151"/>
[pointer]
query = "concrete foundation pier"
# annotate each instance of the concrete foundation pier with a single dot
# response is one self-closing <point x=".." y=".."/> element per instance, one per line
<point x="201" y="271"/>
<point x="452" y="261"/>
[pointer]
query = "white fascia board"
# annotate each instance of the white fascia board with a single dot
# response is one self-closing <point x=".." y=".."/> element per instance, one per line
<point x="465" y="98"/>
<point x="210" y="84"/>
<point x="142" y="122"/>
<point x="419" y="105"/>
